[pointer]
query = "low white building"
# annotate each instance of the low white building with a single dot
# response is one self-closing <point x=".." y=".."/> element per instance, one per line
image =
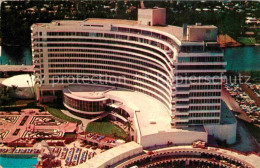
<point x="21" y="86"/>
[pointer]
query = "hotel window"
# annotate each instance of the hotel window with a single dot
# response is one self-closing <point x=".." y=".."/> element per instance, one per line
<point x="93" y="34"/>
<point x="113" y="28"/>
<point x="146" y="32"/>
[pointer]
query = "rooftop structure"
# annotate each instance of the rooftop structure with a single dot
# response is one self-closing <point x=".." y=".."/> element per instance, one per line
<point x="152" y="17"/>
<point x="199" y="33"/>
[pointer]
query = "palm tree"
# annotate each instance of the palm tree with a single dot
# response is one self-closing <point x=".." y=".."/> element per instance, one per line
<point x="32" y="85"/>
<point x="14" y="90"/>
<point x="5" y="91"/>
<point x="129" y="125"/>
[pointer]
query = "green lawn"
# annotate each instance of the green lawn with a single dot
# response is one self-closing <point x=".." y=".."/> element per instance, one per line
<point x="106" y="128"/>
<point x="246" y="40"/>
<point x="57" y="113"/>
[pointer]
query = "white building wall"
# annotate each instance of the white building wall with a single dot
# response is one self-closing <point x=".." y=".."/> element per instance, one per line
<point x="152" y="17"/>
<point x="223" y="132"/>
<point x="178" y="138"/>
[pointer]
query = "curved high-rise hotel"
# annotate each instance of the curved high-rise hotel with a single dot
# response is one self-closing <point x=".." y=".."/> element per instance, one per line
<point x="167" y="79"/>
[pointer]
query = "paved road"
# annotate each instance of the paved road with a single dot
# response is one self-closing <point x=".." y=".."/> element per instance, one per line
<point x="16" y="68"/>
<point x="251" y="94"/>
<point x="85" y="121"/>
<point x="247" y="141"/>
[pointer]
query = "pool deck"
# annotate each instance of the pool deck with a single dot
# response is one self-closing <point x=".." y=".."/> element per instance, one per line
<point x="57" y="151"/>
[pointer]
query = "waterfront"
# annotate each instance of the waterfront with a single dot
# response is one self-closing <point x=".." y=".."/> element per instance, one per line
<point x="243" y="58"/>
<point x="238" y="58"/>
<point x="13" y="160"/>
<point x="16" y="55"/>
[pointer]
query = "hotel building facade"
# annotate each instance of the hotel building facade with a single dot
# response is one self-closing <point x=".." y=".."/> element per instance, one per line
<point x="179" y="67"/>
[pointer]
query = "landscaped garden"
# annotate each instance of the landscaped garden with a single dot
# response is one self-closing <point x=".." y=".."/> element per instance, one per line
<point x="57" y="113"/>
<point x="104" y="127"/>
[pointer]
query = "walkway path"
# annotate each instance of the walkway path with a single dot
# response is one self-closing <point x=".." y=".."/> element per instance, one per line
<point x="99" y="117"/>
<point x="85" y="121"/>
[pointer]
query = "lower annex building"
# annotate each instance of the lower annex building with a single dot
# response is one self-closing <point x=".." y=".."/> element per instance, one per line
<point x="166" y="79"/>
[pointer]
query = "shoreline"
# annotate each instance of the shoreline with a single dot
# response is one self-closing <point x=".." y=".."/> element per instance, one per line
<point x="243" y="45"/>
<point x="20" y="154"/>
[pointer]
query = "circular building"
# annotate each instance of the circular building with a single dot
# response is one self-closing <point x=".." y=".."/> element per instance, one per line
<point x="21" y="86"/>
<point x="85" y="100"/>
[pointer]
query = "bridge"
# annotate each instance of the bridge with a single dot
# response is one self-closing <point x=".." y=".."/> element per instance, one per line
<point x="16" y="68"/>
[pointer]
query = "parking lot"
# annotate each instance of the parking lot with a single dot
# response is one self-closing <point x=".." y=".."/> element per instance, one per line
<point x="253" y="91"/>
<point x="247" y="105"/>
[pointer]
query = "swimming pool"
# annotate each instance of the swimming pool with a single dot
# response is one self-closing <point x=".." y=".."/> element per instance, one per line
<point x="15" y="161"/>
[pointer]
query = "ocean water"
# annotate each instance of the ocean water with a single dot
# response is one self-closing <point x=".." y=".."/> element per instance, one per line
<point x="243" y="58"/>
<point x="18" y="161"/>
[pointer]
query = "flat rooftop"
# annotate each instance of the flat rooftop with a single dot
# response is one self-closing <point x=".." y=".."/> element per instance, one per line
<point x="152" y="115"/>
<point x="202" y="26"/>
<point x="176" y="31"/>
<point x="86" y="93"/>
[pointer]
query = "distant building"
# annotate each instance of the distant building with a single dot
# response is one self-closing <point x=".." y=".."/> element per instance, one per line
<point x="168" y="67"/>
